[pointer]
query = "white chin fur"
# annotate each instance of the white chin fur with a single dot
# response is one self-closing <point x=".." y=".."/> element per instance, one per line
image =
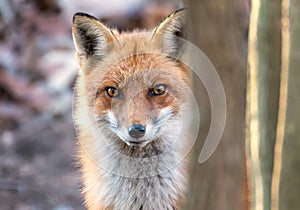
<point x="133" y="144"/>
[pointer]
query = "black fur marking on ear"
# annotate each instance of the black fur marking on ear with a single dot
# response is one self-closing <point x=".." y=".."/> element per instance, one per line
<point x="178" y="33"/>
<point x="180" y="30"/>
<point x="82" y="14"/>
<point x="89" y="41"/>
<point x="177" y="10"/>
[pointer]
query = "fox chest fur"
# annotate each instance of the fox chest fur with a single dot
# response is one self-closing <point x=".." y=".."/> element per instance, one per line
<point x="131" y="114"/>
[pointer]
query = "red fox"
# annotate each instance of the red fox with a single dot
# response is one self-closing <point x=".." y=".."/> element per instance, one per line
<point x="131" y="112"/>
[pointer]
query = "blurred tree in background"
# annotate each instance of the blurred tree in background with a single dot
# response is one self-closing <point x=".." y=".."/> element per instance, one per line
<point x="273" y="113"/>
<point x="220" y="30"/>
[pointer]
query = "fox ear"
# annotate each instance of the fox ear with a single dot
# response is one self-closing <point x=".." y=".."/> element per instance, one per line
<point x="172" y="30"/>
<point x="90" y="36"/>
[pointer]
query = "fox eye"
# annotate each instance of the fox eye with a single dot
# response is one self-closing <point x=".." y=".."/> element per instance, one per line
<point x="158" y="90"/>
<point x="111" y="92"/>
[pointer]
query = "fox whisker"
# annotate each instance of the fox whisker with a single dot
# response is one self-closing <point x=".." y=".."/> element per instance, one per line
<point x="165" y="115"/>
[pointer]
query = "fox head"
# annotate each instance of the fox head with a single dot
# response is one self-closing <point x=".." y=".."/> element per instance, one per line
<point x="133" y="83"/>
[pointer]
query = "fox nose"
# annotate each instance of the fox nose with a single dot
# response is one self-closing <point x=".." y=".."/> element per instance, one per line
<point x="136" y="130"/>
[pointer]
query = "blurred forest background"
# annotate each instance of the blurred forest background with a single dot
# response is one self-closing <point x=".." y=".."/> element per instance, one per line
<point x="255" y="49"/>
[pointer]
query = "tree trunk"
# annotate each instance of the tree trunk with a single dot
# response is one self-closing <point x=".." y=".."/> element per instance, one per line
<point x="272" y="109"/>
<point x="262" y="96"/>
<point x="220" y="31"/>
<point x="287" y="175"/>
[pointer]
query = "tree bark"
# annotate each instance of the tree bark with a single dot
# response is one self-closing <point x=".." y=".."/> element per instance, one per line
<point x="220" y="31"/>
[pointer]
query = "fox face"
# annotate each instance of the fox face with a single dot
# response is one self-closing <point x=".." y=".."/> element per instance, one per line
<point x="139" y="107"/>
<point x="133" y="82"/>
